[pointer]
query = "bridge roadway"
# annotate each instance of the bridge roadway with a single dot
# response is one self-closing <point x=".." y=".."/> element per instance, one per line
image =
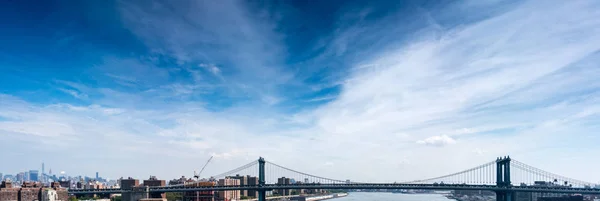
<point x="544" y="189"/>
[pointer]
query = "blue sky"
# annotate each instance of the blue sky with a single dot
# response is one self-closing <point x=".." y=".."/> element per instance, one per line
<point x="372" y="91"/>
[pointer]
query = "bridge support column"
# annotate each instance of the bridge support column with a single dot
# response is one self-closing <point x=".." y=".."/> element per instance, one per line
<point x="505" y="196"/>
<point x="503" y="172"/>
<point x="136" y="194"/>
<point x="262" y="194"/>
<point x="503" y="180"/>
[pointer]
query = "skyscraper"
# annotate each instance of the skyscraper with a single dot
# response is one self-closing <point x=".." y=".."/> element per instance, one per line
<point x="20" y="177"/>
<point x="97" y="176"/>
<point x="9" y="177"/>
<point x="33" y="175"/>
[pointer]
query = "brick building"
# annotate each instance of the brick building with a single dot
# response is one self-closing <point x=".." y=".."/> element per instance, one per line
<point x="7" y="192"/>
<point x="283" y="181"/>
<point x="30" y="194"/>
<point x="153" y="181"/>
<point x="228" y="195"/>
<point x="129" y="183"/>
<point x="61" y="193"/>
<point x="243" y="181"/>
<point x="32" y="191"/>
<point x="199" y="195"/>
<point x="252" y="181"/>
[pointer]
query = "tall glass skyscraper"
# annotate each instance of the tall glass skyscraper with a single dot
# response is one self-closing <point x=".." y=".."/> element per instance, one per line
<point x="33" y="175"/>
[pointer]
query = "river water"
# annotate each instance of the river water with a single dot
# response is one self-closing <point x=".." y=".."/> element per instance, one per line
<point x="362" y="196"/>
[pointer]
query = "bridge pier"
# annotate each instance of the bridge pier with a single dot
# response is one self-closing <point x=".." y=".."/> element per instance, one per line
<point x="505" y="196"/>
<point x="262" y="194"/>
<point x="136" y="193"/>
<point x="503" y="180"/>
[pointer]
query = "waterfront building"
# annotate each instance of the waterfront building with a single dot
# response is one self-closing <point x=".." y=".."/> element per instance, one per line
<point x="153" y="181"/>
<point x="243" y="181"/>
<point x="198" y="195"/>
<point x="129" y="183"/>
<point x="283" y="181"/>
<point x="252" y="181"/>
<point x="228" y="195"/>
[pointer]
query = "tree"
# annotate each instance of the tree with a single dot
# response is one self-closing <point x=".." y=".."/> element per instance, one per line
<point x="116" y="198"/>
<point x="72" y="198"/>
<point x="173" y="196"/>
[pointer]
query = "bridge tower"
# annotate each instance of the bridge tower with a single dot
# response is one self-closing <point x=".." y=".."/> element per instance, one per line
<point x="261" y="180"/>
<point x="503" y="180"/>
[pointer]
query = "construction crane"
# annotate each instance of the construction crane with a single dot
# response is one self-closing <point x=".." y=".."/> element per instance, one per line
<point x="197" y="176"/>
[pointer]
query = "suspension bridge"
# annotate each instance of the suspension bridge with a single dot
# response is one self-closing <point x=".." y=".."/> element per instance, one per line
<point x="504" y="176"/>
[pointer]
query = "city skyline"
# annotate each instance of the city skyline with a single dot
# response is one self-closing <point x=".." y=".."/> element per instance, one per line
<point x="376" y="91"/>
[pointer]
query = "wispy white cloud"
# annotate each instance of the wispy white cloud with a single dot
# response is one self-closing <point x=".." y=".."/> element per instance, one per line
<point x="226" y="33"/>
<point x="438" y="141"/>
<point x="322" y="98"/>
<point x="211" y="68"/>
<point x="74" y="93"/>
<point x="495" y="78"/>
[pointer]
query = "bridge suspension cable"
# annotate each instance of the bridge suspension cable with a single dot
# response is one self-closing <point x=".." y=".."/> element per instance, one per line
<point x="250" y="169"/>
<point x="482" y="174"/>
<point x="277" y="174"/>
<point x="523" y="174"/>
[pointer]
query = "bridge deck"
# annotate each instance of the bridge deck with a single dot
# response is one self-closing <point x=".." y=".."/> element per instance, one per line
<point x="355" y="186"/>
